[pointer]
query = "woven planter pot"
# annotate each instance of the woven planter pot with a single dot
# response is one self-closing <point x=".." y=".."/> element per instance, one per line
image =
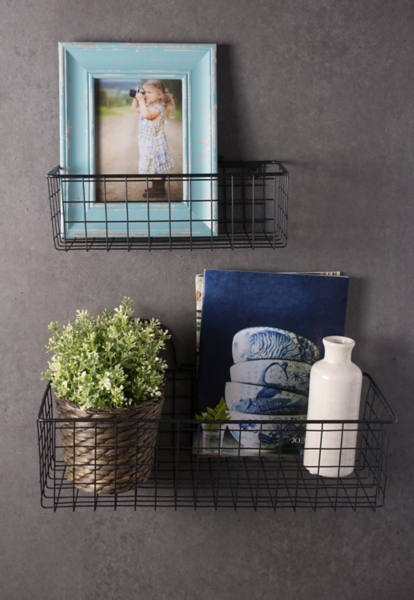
<point x="114" y="451"/>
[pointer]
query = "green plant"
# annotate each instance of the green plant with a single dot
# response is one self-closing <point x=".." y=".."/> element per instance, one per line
<point x="219" y="413"/>
<point x="108" y="361"/>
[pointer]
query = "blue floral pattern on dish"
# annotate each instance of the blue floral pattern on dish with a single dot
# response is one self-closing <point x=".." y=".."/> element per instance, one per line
<point x="266" y="436"/>
<point x="279" y="407"/>
<point x="256" y="399"/>
<point x="268" y="342"/>
<point x="266" y="432"/>
<point x="290" y="375"/>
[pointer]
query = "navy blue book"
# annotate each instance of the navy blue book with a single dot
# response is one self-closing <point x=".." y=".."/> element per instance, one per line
<point x="260" y="334"/>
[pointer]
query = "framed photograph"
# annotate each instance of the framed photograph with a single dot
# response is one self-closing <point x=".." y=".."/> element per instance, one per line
<point x="138" y="139"/>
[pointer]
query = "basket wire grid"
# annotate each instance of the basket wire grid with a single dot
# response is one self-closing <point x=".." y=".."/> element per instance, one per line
<point x="252" y="209"/>
<point x="189" y="470"/>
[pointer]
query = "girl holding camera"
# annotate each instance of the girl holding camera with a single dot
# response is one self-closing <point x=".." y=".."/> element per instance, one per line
<point x="153" y="102"/>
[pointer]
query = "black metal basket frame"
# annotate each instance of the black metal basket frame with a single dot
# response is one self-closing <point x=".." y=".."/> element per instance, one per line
<point x="252" y="209"/>
<point x="187" y="474"/>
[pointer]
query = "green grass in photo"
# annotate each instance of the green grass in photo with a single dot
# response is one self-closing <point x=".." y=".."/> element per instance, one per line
<point x="112" y="111"/>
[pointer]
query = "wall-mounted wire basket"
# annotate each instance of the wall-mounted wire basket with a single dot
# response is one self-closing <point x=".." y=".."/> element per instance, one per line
<point x="195" y="468"/>
<point x="244" y="205"/>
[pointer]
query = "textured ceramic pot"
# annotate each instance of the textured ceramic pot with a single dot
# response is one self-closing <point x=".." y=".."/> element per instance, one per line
<point x="334" y="394"/>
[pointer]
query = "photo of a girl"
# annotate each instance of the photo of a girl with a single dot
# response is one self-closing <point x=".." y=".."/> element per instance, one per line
<point x="153" y="104"/>
<point x="139" y="130"/>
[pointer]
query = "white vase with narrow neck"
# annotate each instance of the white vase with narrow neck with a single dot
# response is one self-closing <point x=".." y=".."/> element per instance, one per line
<point x="334" y="394"/>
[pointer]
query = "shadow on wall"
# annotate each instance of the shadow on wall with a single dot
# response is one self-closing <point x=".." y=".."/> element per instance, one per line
<point x="229" y="109"/>
<point x="372" y="351"/>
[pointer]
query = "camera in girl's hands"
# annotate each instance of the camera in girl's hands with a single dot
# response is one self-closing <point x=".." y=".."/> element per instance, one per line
<point x="135" y="91"/>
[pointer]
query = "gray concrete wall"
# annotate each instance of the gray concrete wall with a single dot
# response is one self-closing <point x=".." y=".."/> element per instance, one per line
<point x="327" y="88"/>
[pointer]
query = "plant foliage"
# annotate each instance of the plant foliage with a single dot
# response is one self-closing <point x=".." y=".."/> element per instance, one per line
<point x="108" y="361"/>
<point x="219" y="413"/>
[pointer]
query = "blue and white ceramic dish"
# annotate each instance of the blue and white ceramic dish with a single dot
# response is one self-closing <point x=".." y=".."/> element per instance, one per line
<point x="257" y="343"/>
<point x="256" y="399"/>
<point x="254" y="434"/>
<point x="290" y="375"/>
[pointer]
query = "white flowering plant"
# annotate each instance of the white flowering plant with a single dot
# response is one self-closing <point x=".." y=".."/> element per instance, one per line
<point x="109" y="361"/>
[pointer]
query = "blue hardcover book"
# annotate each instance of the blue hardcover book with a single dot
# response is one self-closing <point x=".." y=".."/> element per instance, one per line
<point x="260" y="334"/>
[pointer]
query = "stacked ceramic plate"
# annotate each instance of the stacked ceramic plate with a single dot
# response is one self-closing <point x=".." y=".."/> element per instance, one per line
<point x="269" y="382"/>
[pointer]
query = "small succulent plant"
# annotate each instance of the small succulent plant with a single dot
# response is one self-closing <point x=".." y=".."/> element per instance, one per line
<point x="219" y="413"/>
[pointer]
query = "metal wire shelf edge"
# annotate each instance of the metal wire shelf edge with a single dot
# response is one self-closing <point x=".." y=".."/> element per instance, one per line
<point x="189" y="421"/>
<point x="255" y="167"/>
<point x="163" y="480"/>
<point x="74" y="500"/>
<point x="211" y="495"/>
<point x="221" y="242"/>
<point x="208" y="505"/>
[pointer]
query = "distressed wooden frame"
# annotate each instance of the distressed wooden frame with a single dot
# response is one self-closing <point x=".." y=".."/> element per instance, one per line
<point x="195" y="65"/>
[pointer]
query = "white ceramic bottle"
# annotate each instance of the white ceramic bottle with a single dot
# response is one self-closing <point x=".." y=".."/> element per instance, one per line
<point x="334" y="394"/>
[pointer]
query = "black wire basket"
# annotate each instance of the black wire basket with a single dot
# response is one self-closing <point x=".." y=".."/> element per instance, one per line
<point x="243" y="205"/>
<point x="196" y="468"/>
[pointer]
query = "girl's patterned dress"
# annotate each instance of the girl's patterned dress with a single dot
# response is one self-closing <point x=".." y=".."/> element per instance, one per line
<point x="154" y="152"/>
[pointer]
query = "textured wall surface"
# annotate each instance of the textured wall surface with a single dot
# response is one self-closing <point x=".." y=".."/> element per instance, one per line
<point x="327" y="88"/>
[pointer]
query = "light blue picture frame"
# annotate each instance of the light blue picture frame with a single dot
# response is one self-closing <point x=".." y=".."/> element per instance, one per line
<point x="79" y="65"/>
